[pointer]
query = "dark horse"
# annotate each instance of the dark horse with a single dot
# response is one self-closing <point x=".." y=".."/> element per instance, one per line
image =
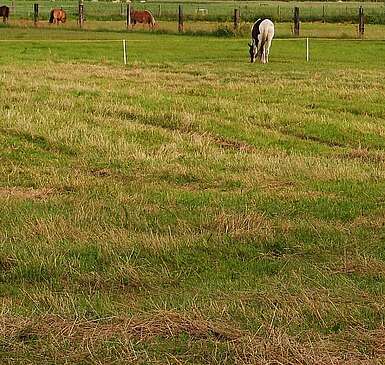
<point x="142" y="16"/>
<point x="57" y="16"/>
<point x="4" y="12"/>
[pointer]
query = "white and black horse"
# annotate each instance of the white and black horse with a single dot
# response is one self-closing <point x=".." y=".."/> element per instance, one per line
<point x="262" y="33"/>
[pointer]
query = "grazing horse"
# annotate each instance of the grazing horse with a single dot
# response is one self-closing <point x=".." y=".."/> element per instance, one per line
<point x="57" y="16"/>
<point x="142" y="16"/>
<point x="262" y="33"/>
<point x="4" y="12"/>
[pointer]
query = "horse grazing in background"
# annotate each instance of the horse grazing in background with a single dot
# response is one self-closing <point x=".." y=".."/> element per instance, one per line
<point x="262" y="33"/>
<point x="4" y="12"/>
<point x="57" y="16"/>
<point x="142" y="16"/>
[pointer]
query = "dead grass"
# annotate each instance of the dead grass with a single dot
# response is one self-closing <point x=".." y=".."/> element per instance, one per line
<point x="274" y="347"/>
<point x="166" y="324"/>
<point x="26" y="193"/>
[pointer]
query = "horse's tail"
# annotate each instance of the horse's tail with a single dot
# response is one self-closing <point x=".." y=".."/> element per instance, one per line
<point x="51" y="17"/>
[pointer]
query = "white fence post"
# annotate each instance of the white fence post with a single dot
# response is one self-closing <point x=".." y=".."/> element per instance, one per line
<point x="124" y="52"/>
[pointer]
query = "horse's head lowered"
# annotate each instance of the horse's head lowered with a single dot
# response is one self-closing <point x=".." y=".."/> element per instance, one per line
<point x="253" y="51"/>
<point x="63" y="15"/>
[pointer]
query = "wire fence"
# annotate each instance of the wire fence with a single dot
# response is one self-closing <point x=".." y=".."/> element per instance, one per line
<point x="312" y="52"/>
<point x="209" y="11"/>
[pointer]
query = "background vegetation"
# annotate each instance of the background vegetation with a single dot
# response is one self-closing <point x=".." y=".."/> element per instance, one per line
<point x="219" y="11"/>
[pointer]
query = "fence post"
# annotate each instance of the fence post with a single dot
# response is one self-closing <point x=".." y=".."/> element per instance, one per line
<point x="81" y="13"/>
<point x="13" y="6"/>
<point x="361" y="22"/>
<point x="296" y="21"/>
<point x="323" y="13"/>
<point x="180" y="19"/>
<point x="159" y="10"/>
<point x="279" y="13"/>
<point x="35" y="13"/>
<point x="124" y="52"/>
<point x="236" y="19"/>
<point x="128" y="18"/>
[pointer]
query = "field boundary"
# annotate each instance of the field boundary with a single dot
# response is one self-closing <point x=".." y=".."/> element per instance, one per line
<point x="151" y="40"/>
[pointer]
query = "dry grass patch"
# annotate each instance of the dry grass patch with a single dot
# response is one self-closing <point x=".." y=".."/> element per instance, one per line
<point x="26" y="193"/>
<point x="79" y="340"/>
<point x="162" y="323"/>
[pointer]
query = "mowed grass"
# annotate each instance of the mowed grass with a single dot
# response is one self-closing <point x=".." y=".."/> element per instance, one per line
<point x="191" y="207"/>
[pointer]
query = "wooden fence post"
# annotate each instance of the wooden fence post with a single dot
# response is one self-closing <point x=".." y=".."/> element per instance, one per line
<point x="296" y="21"/>
<point x="361" y="22"/>
<point x="159" y="10"/>
<point x="180" y="19"/>
<point x="128" y="19"/>
<point x="279" y="13"/>
<point x="81" y="13"/>
<point x="236" y="19"/>
<point x="35" y="13"/>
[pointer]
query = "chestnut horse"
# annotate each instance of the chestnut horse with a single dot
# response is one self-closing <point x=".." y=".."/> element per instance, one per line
<point x="57" y="16"/>
<point x="142" y="16"/>
<point x="4" y="12"/>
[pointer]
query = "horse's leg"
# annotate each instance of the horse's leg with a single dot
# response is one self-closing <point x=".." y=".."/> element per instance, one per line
<point x="267" y="51"/>
<point x="263" y="57"/>
<point x="268" y="45"/>
<point x="259" y="47"/>
<point x="267" y="54"/>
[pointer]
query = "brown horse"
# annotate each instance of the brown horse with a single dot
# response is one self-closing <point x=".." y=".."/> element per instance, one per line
<point x="57" y="16"/>
<point x="142" y="16"/>
<point x="4" y="12"/>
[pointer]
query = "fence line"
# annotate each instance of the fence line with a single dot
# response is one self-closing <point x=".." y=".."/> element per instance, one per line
<point x="182" y="39"/>
<point x="213" y="11"/>
<point x="75" y="40"/>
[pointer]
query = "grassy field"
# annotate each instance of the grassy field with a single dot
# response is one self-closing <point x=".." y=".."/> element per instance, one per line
<point x="190" y="208"/>
<point x="215" y="10"/>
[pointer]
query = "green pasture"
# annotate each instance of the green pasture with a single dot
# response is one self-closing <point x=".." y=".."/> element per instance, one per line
<point x="280" y="11"/>
<point x="190" y="207"/>
<point x="106" y="30"/>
